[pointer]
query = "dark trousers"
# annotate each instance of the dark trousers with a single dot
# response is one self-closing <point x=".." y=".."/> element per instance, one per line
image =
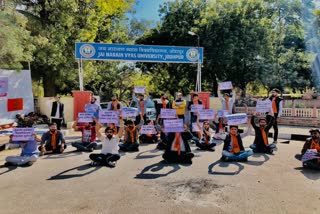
<point x="49" y="148"/>
<point x="138" y="119"/>
<point x="181" y="116"/>
<point x="103" y="159"/>
<point x="173" y="157"/>
<point x="85" y="146"/>
<point x="275" y="126"/>
<point x="129" y="147"/>
<point x="205" y="146"/>
<point x="57" y="121"/>
<point x="148" y="139"/>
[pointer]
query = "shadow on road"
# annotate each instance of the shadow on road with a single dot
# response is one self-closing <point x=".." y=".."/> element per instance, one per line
<point x="224" y="165"/>
<point x="62" y="155"/>
<point x="142" y="156"/>
<point x="9" y="169"/>
<point x="146" y="172"/>
<point x="66" y="175"/>
<point x="311" y="174"/>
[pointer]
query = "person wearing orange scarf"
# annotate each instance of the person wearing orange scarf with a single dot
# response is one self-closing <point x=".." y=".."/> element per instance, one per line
<point x="163" y="102"/>
<point x="114" y="104"/>
<point x="131" y="137"/>
<point x="194" y="101"/>
<point x="227" y="101"/>
<point x="206" y="137"/>
<point x="149" y="138"/>
<point x="312" y="143"/>
<point x="142" y="107"/>
<point x="261" y="144"/>
<point x="52" y="141"/>
<point x="220" y="126"/>
<point x="233" y="149"/>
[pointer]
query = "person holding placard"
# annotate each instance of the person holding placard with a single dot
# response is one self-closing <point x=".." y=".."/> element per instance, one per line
<point x="162" y="103"/>
<point x="220" y="127"/>
<point x="131" y="134"/>
<point x="88" y="138"/>
<point x="276" y="101"/>
<point x="57" y="112"/>
<point x="261" y="144"/>
<point x="180" y="105"/>
<point x="29" y="153"/>
<point x="233" y="149"/>
<point x="142" y="107"/>
<point x="311" y="148"/>
<point x="114" y="104"/>
<point x="195" y="101"/>
<point x="93" y="107"/>
<point x="227" y="101"/>
<point x="149" y="138"/>
<point x="206" y="137"/>
<point x="52" y="141"/>
<point x="110" y="141"/>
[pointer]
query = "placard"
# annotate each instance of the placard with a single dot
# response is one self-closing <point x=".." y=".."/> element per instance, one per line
<point x="195" y="127"/>
<point x="206" y="114"/>
<point x="147" y="129"/>
<point x="237" y="119"/>
<point x="106" y="116"/>
<point x="196" y="107"/>
<point x="222" y="113"/>
<point x="129" y="112"/>
<point x="263" y="106"/>
<point x="15" y="104"/>
<point x="168" y="113"/>
<point x="140" y="89"/>
<point x="22" y="134"/>
<point x="225" y="85"/>
<point x="84" y="117"/>
<point x="173" y="125"/>
<point x="3" y="86"/>
<point x="310" y="154"/>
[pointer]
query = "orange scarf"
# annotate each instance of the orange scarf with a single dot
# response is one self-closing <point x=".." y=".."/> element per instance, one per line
<point x="113" y="126"/>
<point x="115" y="104"/>
<point x="177" y="145"/>
<point x="205" y="136"/>
<point x="141" y="104"/>
<point x="274" y="105"/>
<point x="264" y="137"/>
<point x="227" y="103"/>
<point x="54" y="139"/>
<point x="235" y="147"/>
<point x="315" y="145"/>
<point x="164" y="103"/>
<point x="132" y="133"/>
<point x="195" y="102"/>
<point x="199" y="135"/>
<point x="220" y="126"/>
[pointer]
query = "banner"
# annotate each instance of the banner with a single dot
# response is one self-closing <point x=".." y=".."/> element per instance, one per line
<point x="222" y="113"/>
<point x="15" y="104"/>
<point x="140" y="89"/>
<point x="22" y="134"/>
<point x="196" y="107"/>
<point x="4" y="86"/>
<point x="195" y="127"/>
<point x="106" y="116"/>
<point x="84" y="117"/>
<point x="225" y="85"/>
<point x="263" y="106"/>
<point x="206" y="114"/>
<point x="129" y="112"/>
<point x="147" y="129"/>
<point x="310" y="155"/>
<point x="237" y="119"/>
<point x="168" y="113"/>
<point x="173" y="125"/>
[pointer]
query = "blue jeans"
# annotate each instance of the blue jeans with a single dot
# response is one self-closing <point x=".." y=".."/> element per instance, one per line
<point x="267" y="149"/>
<point x="86" y="146"/>
<point x="239" y="156"/>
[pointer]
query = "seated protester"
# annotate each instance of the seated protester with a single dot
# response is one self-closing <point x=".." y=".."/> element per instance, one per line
<point x="261" y="144"/>
<point x="312" y="146"/>
<point x="29" y="153"/>
<point x="131" y="137"/>
<point x="233" y="149"/>
<point x="162" y="143"/>
<point x="88" y="139"/>
<point x="149" y="138"/>
<point x="52" y="141"/>
<point x="178" y="149"/>
<point x="109" y="153"/>
<point x="206" y="137"/>
<point x="220" y="126"/>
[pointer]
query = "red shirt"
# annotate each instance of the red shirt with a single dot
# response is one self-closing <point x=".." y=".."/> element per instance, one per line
<point x="88" y="135"/>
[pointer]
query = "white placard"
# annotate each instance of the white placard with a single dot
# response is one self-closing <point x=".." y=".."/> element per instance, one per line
<point x="147" y="129"/>
<point x="225" y="85"/>
<point x="310" y="154"/>
<point x="196" y="107"/>
<point x="206" y="114"/>
<point x="129" y="112"/>
<point x="237" y="119"/>
<point x="173" y="125"/>
<point x="106" y="116"/>
<point x="222" y="113"/>
<point x="168" y="113"/>
<point x="140" y="89"/>
<point x="195" y="127"/>
<point x="3" y="86"/>
<point x="22" y="134"/>
<point x="84" y="117"/>
<point x="263" y="106"/>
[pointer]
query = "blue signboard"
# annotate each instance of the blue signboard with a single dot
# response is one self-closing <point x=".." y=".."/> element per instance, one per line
<point x="138" y="53"/>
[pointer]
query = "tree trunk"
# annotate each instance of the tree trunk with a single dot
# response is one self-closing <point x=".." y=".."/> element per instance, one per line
<point x="49" y="86"/>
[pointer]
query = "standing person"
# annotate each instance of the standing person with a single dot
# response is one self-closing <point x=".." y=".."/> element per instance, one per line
<point x="52" y="141"/>
<point x="312" y="143"/>
<point x="142" y="107"/>
<point x="195" y="101"/>
<point x="206" y="137"/>
<point x="261" y="144"/>
<point x="93" y="107"/>
<point x="227" y="101"/>
<point x="109" y="153"/>
<point x="276" y="101"/>
<point x="233" y="149"/>
<point x="179" y="104"/>
<point x="29" y="153"/>
<point x="114" y="104"/>
<point x="57" y="112"/>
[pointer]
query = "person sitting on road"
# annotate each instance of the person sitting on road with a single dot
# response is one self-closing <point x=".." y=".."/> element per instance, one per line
<point x="29" y="153"/>
<point x="149" y="138"/>
<point x="109" y="153"/>
<point x="233" y="149"/>
<point x="206" y="136"/>
<point x="310" y="152"/>
<point x="52" y="141"/>
<point x="131" y="137"/>
<point x="219" y="127"/>
<point x="261" y="144"/>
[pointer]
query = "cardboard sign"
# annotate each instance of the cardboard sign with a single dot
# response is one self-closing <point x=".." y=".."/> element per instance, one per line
<point x="173" y="125"/>
<point x="140" y="89"/>
<point x="129" y="112"/>
<point x="15" y="104"/>
<point x="263" y="106"/>
<point x="3" y="86"/>
<point x="206" y="114"/>
<point x="84" y="117"/>
<point x="237" y="119"/>
<point x="22" y="134"/>
<point x="225" y="85"/>
<point x="195" y="127"/>
<point x="168" y="113"/>
<point x="310" y="155"/>
<point x="222" y="113"/>
<point x="196" y="107"/>
<point x="147" y="129"/>
<point x="106" y="116"/>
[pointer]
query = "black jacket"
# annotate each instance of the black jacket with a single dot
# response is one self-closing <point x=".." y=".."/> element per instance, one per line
<point x="185" y="137"/>
<point x="258" y="140"/>
<point x="227" y="143"/>
<point x="54" y="109"/>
